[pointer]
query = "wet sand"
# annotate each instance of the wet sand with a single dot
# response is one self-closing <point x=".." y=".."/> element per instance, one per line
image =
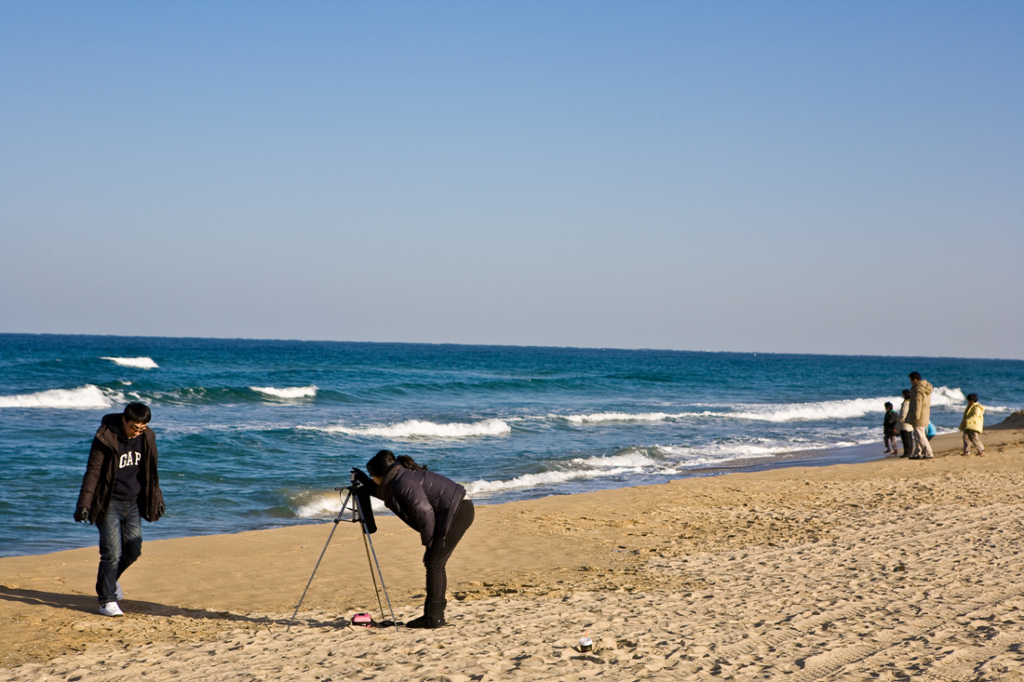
<point x="891" y="569"/>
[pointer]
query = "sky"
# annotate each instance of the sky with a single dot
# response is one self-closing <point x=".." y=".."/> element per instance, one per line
<point x="804" y="177"/>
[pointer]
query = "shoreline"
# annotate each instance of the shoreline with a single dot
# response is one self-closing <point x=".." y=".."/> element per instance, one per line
<point x="663" y="577"/>
<point x="849" y="454"/>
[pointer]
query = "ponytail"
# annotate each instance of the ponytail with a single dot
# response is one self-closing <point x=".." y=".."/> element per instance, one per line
<point x="409" y="463"/>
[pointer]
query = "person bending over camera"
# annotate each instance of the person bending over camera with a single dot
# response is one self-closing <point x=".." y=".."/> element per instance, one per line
<point x="435" y="506"/>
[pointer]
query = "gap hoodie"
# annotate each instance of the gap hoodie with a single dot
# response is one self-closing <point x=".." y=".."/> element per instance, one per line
<point x="98" y="482"/>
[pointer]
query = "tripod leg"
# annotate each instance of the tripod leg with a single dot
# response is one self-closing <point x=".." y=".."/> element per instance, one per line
<point x="336" y="522"/>
<point x="369" y="543"/>
<point x="373" y="575"/>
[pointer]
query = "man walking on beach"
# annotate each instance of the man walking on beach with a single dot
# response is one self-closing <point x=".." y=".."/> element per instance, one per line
<point x="920" y="415"/>
<point x="120" y="485"/>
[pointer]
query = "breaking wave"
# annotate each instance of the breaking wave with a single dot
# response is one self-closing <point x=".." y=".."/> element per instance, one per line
<point x="312" y="504"/>
<point x="942" y="396"/>
<point x="632" y="461"/>
<point x="138" y="363"/>
<point x="840" y="409"/>
<point x="600" y="417"/>
<point x="86" y="397"/>
<point x="286" y="393"/>
<point x="423" y="429"/>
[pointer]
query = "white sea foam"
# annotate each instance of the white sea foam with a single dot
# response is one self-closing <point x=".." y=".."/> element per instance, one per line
<point x="86" y="397"/>
<point x="944" y="395"/>
<point x="316" y="504"/>
<point x="838" y="409"/>
<point x="286" y="393"/>
<point x="831" y="409"/>
<point x="423" y="429"/>
<point x="600" y="417"/>
<point x="714" y="454"/>
<point x="138" y="363"/>
<point x="542" y="479"/>
<point x="633" y="461"/>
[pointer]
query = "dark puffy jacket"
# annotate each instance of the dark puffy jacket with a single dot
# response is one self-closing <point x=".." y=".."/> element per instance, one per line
<point x="426" y="501"/>
<point x="890" y="422"/>
<point x="98" y="482"/>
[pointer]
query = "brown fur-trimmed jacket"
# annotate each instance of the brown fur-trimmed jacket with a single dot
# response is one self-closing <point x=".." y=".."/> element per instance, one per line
<point x="98" y="482"/>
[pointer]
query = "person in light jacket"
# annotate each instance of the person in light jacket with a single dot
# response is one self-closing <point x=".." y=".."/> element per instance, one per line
<point x="434" y="506"/>
<point x="920" y="415"/>
<point x="972" y="425"/>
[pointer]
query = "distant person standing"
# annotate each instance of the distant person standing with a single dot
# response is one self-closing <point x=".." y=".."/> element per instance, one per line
<point x="920" y="415"/>
<point x="972" y="425"/>
<point x="120" y="485"/>
<point x="889" y="424"/>
<point x="906" y="430"/>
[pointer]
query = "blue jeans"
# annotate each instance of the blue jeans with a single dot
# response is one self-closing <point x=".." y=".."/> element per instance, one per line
<point x="120" y="545"/>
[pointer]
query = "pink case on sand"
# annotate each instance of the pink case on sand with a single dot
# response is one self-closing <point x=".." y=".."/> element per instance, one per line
<point x="362" y="619"/>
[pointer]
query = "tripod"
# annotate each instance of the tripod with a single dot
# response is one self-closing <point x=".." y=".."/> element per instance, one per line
<point x="356" y="493"/>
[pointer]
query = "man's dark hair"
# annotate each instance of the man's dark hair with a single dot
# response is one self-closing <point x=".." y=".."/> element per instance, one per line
<point x="907" y="393"/>
<point x="889" y="405"/>
<point x="973" y="397"/>
<point x="915" y="376"/>
<point x="137" y="412"/>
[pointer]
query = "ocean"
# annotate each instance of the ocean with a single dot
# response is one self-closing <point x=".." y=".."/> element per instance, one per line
<point x="258" y="434"/>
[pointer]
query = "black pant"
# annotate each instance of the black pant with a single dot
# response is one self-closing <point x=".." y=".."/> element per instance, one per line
<point x="436" y="557"/>
<point x="908" y="442"/>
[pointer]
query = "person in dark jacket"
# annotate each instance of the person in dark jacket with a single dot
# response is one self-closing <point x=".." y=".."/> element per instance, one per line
<point x="120" y="486"/>
<point x="890" y="423"/>
<point x="434" y="506"/>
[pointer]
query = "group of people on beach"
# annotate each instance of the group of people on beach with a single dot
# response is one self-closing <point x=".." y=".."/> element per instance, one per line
<point x="121" y="487"/>
<point x="913" y="422"/>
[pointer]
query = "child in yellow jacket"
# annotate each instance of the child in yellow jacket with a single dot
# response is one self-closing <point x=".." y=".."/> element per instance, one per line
<point x="972" y="425"/>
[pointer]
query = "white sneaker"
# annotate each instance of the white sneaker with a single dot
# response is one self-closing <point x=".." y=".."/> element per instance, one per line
<point x="111" y="609"/>
<point x="119" y="593"/>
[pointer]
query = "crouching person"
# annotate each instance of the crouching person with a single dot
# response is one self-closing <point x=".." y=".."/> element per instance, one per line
<point x="120" y="487"/>
<point x="434" y="506"/>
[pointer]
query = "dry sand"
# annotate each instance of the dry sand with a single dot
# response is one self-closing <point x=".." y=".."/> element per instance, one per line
<point x="893" y="569"/>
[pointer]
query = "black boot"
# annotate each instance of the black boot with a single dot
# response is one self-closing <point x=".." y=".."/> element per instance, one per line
<point x="433" y="615"/>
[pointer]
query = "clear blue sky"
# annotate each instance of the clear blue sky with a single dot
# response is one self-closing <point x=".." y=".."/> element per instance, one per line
<point x="816" y="177"/>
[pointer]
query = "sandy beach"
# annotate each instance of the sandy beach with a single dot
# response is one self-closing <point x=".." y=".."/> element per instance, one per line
<point x="887" y="570"/>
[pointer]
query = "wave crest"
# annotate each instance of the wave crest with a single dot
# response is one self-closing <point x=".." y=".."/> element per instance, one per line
<point x="840" y="409"/>
<point x="292" y="393"/>
<point x="600" y="417"/>
<point x="86" y="397"/>
<point x="943" y="395"/>
<point x="138" y="363"/>
<point x="630" y="461"/>
<point x="423" y="429"/>
<point x="311" y="504"/>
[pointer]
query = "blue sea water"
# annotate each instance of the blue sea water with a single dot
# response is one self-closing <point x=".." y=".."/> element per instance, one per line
<point x="257" y="434"/>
